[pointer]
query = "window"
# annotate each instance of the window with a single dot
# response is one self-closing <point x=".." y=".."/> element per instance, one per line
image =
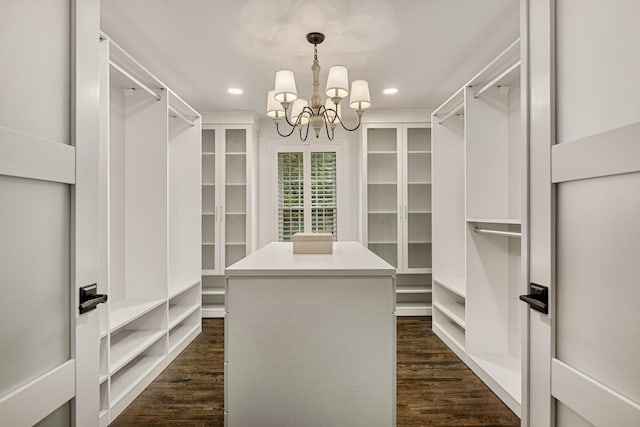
<point x="290" y="195"/>
<point x="307" y="190"/>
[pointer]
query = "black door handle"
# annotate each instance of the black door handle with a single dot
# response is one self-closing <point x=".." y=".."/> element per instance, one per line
<point x="538" y="298"/>
<point x="90" y="298"/>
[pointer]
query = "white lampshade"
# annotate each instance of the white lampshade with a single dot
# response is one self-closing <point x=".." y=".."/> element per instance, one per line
<point x="285" y="90"/>
<point x="338" y="82"/>
<point x="330" y="114"/>
<point x="360" y="98"/>
<point x="274" y="108"/>
<point x="296" y="109"/>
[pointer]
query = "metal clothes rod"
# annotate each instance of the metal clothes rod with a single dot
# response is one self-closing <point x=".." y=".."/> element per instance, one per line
<point x="500" y="232"/>
<point x="136" y="81"/>
<point x="182" y="116"/>
<point x="451" y="113"/>
<point x="492" y="83"/>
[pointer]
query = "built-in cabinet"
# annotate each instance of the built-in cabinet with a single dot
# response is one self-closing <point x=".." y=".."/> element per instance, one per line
<point x="229" y="174"/>
<point x="396" y="201"/>
<point x="478" y="189"/>
<point x="149" y="211"/>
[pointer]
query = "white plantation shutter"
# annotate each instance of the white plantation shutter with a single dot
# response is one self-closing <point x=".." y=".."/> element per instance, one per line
<point x="290" y="195"/>
<point x="307" y="191"/>
<point x="324" y="208"/>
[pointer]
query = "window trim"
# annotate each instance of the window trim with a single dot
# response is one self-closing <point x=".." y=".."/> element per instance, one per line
<point x="339" y="147"/>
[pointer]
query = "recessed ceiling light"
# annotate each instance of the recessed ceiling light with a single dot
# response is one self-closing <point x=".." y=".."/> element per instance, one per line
<point x="234" y="91"/>
<point x="390" y="91"/>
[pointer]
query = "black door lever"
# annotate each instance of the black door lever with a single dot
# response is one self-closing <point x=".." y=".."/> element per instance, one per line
<point x="538" y="298"/>
<point x="89" y="298"/>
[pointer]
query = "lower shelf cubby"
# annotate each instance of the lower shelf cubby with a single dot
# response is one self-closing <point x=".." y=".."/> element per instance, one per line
<point x="502" y="373"/>
<point x="183" y="305"/>
<point x="213" y="294"/>
<point x="133" y="377"/>
<point x="104" y="403"/>
<point x="449" y="332"/>
<point x="182" y="330"/>
<point x="136" y="337"/>
<point x="413" y="295"/>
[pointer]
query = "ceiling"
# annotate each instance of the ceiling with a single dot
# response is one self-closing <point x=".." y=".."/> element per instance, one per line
<point x="426" y="48"/>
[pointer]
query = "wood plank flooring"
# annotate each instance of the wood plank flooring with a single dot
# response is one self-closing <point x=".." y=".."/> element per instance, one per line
<point x="434" y="387"/>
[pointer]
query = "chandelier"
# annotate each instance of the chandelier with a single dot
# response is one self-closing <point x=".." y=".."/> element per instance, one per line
<point x="283" y="101"/>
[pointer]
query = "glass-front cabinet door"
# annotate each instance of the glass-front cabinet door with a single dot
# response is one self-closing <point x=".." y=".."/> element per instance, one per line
<point x="210" y="213"/>
<point x="417" y="198"/>
<point x="235" y="204"/>
<point x="383" y="197"/>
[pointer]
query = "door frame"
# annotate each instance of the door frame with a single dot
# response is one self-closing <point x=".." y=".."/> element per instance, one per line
<point x="85" y="127"/>
<point x="538" y="106"/>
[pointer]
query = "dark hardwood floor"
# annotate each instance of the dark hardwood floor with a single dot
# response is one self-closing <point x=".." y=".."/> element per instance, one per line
<point x="434" y="387"/>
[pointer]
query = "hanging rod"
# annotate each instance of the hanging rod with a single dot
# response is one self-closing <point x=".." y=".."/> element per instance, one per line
<point x="492" y="83"/>
<point x="451" y="113"/>
<point x="178" y="114"/>
<point x="500" y="232"/>
<point x="136" y="81"/>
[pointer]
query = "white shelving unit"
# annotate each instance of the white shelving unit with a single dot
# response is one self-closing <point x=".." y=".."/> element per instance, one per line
<point x="397" y="207"/>
<point x="478" y="159"/>
<point x="149" y="228"/>
<point x="229" y="166"/>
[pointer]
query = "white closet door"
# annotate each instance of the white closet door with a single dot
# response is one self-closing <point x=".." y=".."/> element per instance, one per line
<point x="48" y="215"/>
<point x="595" y="174"/>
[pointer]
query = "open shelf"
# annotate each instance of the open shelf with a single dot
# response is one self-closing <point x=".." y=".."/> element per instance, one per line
<point x="453" y="311"/>
<point x="382" y="152"/>
<point x="503" y="369"/>
<point x="209" y="272"/>
<point x="180" y="331"/>
<point x="413" y="289"/>
<point x="510" y="221"/>
<point x="413" y="309"/>
<point x="419" y="152"/>
<point x="177" y="313"/>
<point x="236" y="153"/>
<point x="213" y="310"/>
<point x="213" y="291"/>
<point x="382" y="183"/>
<point x="128" y="344"/>
<point x="125" y="311"/>
<point x="453" y="284"/>
<point x="127" y="378"/>
<point x="451" y="334"/>
<point x="177" y="289"/>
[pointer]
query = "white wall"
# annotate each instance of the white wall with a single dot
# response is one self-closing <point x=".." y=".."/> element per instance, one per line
<point x="267" y="137"/>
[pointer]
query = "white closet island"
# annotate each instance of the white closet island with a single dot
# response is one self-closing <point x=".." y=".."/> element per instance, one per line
<point x="310" y="339"/>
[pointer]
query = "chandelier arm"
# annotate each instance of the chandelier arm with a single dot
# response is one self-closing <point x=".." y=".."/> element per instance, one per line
<point x="326" y="123"/>
<point x="289" y="122"/>
<point x="293" y="128"/>
<point x="306" y="135"/>
<point x="349" y="129"/>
